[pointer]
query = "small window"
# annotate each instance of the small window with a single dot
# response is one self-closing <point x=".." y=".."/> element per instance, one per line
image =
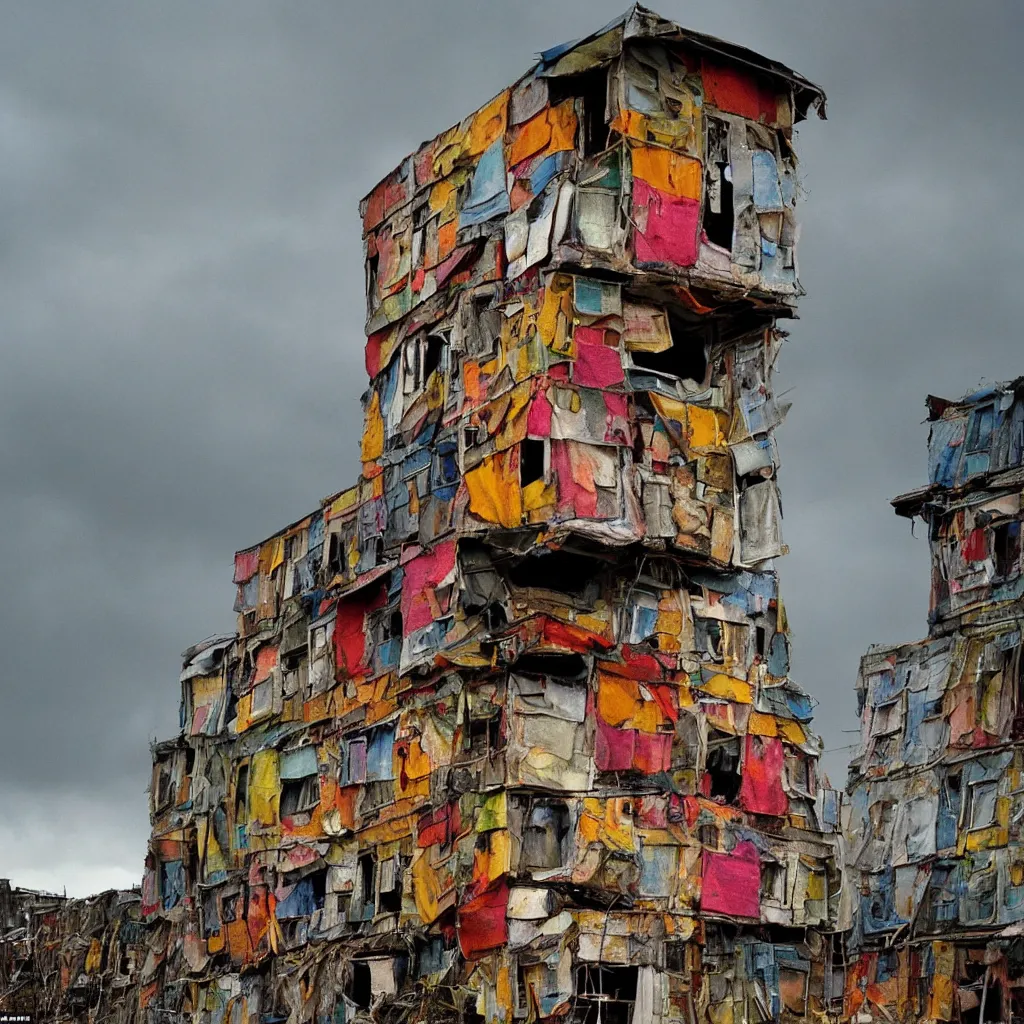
<point x="299" y="795"/>
<point x="566" y="668"/>
<point x="887" y="718"/>
<point x="334" y="553"/>
<point x="532" y="458"/>
<point x="718" y="201"/>
<point x="545" y="838"/>
<point x="1006" y="548"/>
<point x="773" y="881"/>
<point x="591" y="88"/>
<point x="242" y="793"/>
<point x="372" y="270"/>
<point x="483" y="737"/>
<point x="800" y="773"/>
<point x="564" y="571"/>
<point x="263" y="697"/>
<point x="432" y="352"/>
<point x="761" y="639"/>
<point x="353" y="770"/>
<point x="722" y="770"/>
<point x="394" y="624"/>
<point x="686" y="358"/>
<point x="983" y="804"/>
<point x="358" y="989"/>
<point x="389" y="898"/>
<point x="979" y="436"/>
<point x="675" y="956"/>
<point x="364" y="898"/>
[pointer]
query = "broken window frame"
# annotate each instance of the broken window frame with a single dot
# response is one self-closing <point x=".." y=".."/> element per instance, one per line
<point x="717" y="145"/>
<point x="305" y="791"/>
<point x="774" y="881"/>
<point x="583" y="88"/>
<point x="882" y="715"/>
<point x="364" y="892"/>
<point x="597" y="995"/>
<point x="678" y="329"/>
<point x="979" y="432"/>
<point x="729" y="794"/>
<point x="984" y="796"/>
<point x="537" y="828"/>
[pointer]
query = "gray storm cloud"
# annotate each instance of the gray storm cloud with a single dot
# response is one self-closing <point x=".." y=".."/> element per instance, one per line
<point x="181" y="322"/>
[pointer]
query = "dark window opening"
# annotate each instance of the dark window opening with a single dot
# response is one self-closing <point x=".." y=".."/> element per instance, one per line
<point x="1006" y="548"/>
<point x="390" y="901"/>
<point x="531" y="461"/>
<point x="334" y="550"/>
<point x="675" y="957"/>
<point x="762" y="639"/>
<point x="483" y="736"/>
<point x="708" y="636"/>
<point x="545" y="838"/>
<point x="687" y="357"/>
<point x="718" y="195"/>
<point x="721" y="771"/>
<point x="318" y="885"/>
<point x="592" y="88"/>
<point x="372" y="270"/>
<point x="604" y="995"/>
<point x="228" y="913"/>
<point x="985" y="987"/>
<point x="395" y="624"/>
<point x="495" y="617"/>
<point x="432" y="355"/>
<point x="298" y="795"/>
<point x="773" y="880"/>
<point x="563" y="571"/>
<point x="553" y="666"/>
<point x="359" y="990"/>
<point x="718" y="211"/>
<point x="366" y="878"/>
<point x="242" y="793"/>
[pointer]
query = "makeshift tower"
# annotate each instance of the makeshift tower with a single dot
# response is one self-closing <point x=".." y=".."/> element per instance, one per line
<point x="507" y="730"/>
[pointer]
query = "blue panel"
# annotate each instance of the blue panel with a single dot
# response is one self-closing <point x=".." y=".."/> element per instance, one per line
<point x="379" y="754"/>
<point x="488" y="196"/>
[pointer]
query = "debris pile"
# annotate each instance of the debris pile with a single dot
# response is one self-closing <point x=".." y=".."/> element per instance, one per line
<point x="70" y="960"/>
<point x="937" y="786"/>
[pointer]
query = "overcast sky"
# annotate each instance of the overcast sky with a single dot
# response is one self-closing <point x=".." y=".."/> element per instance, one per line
<point x="181" y="327"/>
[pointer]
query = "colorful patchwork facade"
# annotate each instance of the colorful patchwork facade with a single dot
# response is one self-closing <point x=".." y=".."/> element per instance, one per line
<point x="507" y="730"/>
<point x="937" y="787"/>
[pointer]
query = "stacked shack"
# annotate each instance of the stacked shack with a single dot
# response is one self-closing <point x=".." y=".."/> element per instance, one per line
<point x="937" y="787"/>
<point x="69" y="960"/>
<point x="507" y="730"/>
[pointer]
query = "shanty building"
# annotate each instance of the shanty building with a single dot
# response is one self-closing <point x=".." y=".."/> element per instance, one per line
<point x="937" y="786"/>
<point x="507" y="731"/>
<point x="67" y="959"/>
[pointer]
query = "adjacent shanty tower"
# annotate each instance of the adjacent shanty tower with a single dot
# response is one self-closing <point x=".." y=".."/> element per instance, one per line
<point x="937" y="787"/>
<point x="507" y="731"/>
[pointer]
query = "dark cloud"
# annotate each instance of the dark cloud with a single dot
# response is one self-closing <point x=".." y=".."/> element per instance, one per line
<point x="181" y="297"/>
